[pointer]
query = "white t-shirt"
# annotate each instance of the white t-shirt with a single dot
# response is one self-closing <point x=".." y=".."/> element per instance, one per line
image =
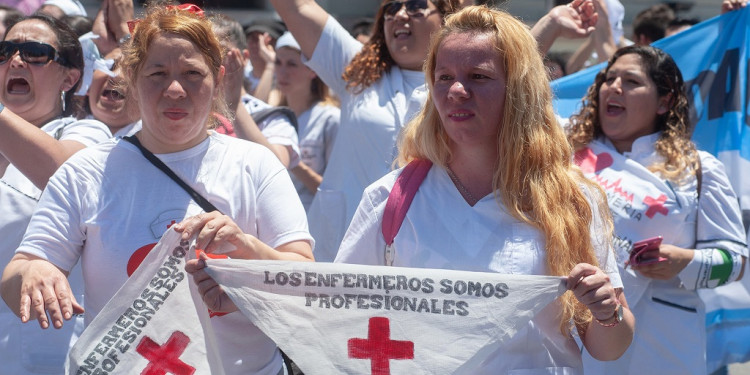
<point x="366" y="142"/>
<point x="26" y="348"/>
<point x="108" y="201"/>
<point x="442" y="231"/>
<point x="317" y="128"/>
<point x="276" y="128"/>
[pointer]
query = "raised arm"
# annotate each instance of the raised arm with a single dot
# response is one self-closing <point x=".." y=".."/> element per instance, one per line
<point x="244" y="125"/>
<point x="601" y="41"/>
<point x="35" y="153"/>
<point x="305" y="20"/>
<point x="574" y="20"/>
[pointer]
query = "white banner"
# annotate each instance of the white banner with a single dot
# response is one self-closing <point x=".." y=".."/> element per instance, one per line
<point x="353" y="319"/>
<point x="155" y="324"/>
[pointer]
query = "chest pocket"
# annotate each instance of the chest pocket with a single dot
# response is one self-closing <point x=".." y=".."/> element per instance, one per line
<point x="520" y="253"/>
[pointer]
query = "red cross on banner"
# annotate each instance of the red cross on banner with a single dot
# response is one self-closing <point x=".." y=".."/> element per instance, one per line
<point x="165" y="359"/>
<point x="379" y="348"/>
<point x="656" y="205"/>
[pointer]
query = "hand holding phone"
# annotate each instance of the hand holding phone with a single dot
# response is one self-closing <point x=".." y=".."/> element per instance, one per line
<point x="645" y="252"/>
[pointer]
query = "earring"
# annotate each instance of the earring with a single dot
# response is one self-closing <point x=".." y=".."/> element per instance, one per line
<point x="62" y="99"/>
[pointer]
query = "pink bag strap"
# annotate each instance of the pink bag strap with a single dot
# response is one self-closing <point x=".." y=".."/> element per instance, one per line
<point x="399" y="200"/>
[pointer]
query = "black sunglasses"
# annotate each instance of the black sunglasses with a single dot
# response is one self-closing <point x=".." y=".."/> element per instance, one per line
<point x="414" y="8"/>
<point x="34" y="53"/>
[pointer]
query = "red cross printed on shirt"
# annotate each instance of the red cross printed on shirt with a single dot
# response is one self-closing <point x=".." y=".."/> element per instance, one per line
<point x="656" y="205"/>
<point x="165" y="359"/>
<point x="379" y="348"/>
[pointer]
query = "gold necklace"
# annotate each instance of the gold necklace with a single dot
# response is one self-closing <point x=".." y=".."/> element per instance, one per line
<point x="461" y="188"/>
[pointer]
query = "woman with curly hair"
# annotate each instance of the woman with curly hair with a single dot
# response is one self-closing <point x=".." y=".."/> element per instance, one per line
<point x="501" y="195"/>
<point x="381" y="86"/>
<point x="632" y="137"/>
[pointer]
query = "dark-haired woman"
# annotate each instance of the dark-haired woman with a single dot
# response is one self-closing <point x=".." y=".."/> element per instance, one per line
<point x="40" y="68"/>
<point x="632" y="138"/>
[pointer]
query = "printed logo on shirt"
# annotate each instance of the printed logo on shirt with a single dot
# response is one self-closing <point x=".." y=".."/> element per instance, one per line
<point x="620" y="199"/>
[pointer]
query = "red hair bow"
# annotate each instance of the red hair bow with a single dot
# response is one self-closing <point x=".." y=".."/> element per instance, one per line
<point x="192" y="8"/>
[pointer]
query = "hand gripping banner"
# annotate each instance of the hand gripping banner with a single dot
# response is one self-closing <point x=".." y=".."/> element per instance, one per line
<point x="155" y="324"/>
<point x="354" y="319"/>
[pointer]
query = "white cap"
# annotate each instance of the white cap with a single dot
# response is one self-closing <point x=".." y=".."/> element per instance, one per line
<point x="69" y="7"/>
<point x="287" y="40"/>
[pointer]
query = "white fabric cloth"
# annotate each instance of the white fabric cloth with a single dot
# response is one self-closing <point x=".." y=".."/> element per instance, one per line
<point x="442" y="231"/>
<point x="108" y="206"/>
<point x="366" y="142"/>
<point x="137" y="332"/>
<point x="355" y="319"/>
<point x="250" y="81"/>
<point x="317" y="129"/>
<point x="69" y="7"/>
<point x="277" y="129"/>
<point x="670" y="329"/>
<point x="26" y="348"/>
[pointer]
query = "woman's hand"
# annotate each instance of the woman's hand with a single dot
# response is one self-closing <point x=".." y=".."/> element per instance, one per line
<point x="592" y="287"/>
<point x="730" y="5"/>
<point x="218" y="234"/>
<point x="234" y="75"/>
<point x="677" y="259"/>
<point x="266" y="49"/>
<point x="213" y="296"/>
<point x="41" y="290"/>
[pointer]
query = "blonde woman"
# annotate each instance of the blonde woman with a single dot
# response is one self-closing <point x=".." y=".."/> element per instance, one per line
<point x="502" y="194"/>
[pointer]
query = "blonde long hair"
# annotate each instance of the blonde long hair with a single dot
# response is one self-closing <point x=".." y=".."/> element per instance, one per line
<point x="533" y="177"/>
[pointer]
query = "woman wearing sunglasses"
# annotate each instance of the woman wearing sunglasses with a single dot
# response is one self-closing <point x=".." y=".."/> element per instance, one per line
<point x="108" y="204"/>
<point x="382" y="87"/>
<point x="40" y="66"/>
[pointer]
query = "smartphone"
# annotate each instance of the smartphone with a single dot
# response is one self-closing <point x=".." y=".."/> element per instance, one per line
<point x="642" y="252"/>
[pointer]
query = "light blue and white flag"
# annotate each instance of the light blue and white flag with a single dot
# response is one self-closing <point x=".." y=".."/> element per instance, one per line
<point x="713" y="58"/>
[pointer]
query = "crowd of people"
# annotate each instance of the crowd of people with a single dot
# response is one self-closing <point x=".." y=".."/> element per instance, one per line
<point x="290" y="134"/>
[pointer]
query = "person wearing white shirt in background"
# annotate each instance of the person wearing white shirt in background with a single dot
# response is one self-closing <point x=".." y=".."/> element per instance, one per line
<point x="632" y="137"/>
<point x="317" y="116"/>
<point x="41" y="65"/>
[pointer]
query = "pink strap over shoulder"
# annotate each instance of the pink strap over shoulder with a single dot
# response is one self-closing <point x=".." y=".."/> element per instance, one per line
<point x="403" y="192"/>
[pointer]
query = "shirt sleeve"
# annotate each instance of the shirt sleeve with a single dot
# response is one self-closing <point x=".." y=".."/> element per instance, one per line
<point x="601" y="238"/>
<point x="363" y="242"/>
<point x="55" y="232"/>
<point x="719" y="216"/>
<point x="280" y="216"/>
<point x="88" y="132"/>
<point x="335" y="50"/>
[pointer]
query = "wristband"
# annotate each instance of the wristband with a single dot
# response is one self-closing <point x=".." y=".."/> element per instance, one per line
<point x="2" y="106"/>
<point x="711" y="268"/>
<point x="617" y="316"/>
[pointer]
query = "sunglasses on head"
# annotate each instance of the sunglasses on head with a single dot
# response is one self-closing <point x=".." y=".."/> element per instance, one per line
<point x="414" y="8"/>
<point x="34" y="53"/>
